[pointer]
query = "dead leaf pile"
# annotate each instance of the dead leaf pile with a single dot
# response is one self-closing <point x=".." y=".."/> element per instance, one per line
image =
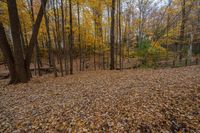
<point x="141" y="101"/>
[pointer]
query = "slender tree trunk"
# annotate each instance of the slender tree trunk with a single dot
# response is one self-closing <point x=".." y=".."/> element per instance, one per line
<point x="108" y="13"/>
<point x="99" y="64"/>
<point x="182" y="31"/>
<point x="79" y="36"/>
<point x="25" y="35"/>
<point x="48" y="36"/>
<point x="104" y="60"/>
<point x="84" y="51"/>
<point x="58" y="37"/>
<point x="94" y="47"/>
<point x="71" y="38"/>
<point x="128" y="36"/>
<point x="33" y="21"/>
<point x="112" y="37"/>
<point x="117" y="34"/>
<point x="36" y="51"/>
<point x="167" y="56"/>
<point x="63" y="38"/>
<point x="67" y="34"/>
<point x="120" y="35"/>
<point x="49" y="46"/>
<point x="190" y="48"/>
<point x="38" y="58"/>
<point x="108" y="34"/>
<point x="33" y="39"/>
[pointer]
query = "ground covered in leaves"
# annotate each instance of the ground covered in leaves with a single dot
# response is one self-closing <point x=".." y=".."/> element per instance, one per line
<point x="141" y="101"/>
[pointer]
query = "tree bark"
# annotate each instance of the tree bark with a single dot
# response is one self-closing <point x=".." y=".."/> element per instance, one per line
<point x="33" y="39"/>
<point x="79" y="37"/>
<point x="64" y="39"/>
<point x="7" y="53"/>
<point x="15" y="31"/>
<point x="21" y="66"/>
<point x="120" y="35"/>
<point x="182" y="31"/>
<point x="50" y="51"/>
<point x="190" y="48"/>
<point x="71" y="38"/>
<point x="112" y="37"/>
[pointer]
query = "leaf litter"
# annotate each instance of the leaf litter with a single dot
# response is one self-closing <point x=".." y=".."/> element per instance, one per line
<point x="138" y="101"/>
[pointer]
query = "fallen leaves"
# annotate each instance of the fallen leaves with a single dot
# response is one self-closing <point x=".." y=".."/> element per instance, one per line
<point x="143" y="100"/>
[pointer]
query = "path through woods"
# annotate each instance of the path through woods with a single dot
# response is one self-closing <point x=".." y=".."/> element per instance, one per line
<point x="142" y="100"/>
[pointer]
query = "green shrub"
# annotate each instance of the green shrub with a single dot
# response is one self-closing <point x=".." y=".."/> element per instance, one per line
<point x="155" y="54"/>
<point x="150" y="54"/>
<point x="142" y="51"/>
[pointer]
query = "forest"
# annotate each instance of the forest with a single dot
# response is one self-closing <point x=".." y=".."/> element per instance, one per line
<point x="100" y="66"/>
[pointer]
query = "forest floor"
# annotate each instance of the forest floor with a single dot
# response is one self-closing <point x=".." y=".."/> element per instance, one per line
<point x="139" y="100"/>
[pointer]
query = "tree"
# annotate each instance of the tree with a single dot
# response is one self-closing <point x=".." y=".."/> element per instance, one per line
<point x="71" y="38"/>
<point x="5" y="47"/>
<point x="112" y="37"/>
<point x="33" y="39"/>
<point x="37" y="58"/>
<point x="120" y="34"/>
<point x="182" y="29"/>
<point x="79" y="36"/>
<point x="50" y="51"/>
<point x="20" y="72"/>
<point x="63" y="38"/>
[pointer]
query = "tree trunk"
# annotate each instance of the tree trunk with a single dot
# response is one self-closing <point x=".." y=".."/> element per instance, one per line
<point x="117" y="35"/>
<point x="190" y="48"/>
<point x="19" y="66"/>
<point x="49" y="46"/>
<point x="36" y="50"/>
<point x="79" y="37"/>
<point x="6" y="50"/>
<point x="120" y="35"/>
<point x="94" y="46"/>
<point x="182" y="31"/>
<point x="63" y="38"/>
<point x="71" y="38"/>
<point x="33" y="39"/>
<point x="112" y="37"/>
<point x="18" y="52"/>
<point x="60" y="53"/>
<point x="38" y="58"/>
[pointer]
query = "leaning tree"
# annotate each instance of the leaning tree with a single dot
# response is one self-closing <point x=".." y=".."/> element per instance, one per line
<point x="19" y="60"/>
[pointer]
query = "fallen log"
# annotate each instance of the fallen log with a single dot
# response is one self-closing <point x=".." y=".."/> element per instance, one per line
<point x="44" y="69"/>
<point x="2" y="63"/>
<point x="4" y="76"/>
